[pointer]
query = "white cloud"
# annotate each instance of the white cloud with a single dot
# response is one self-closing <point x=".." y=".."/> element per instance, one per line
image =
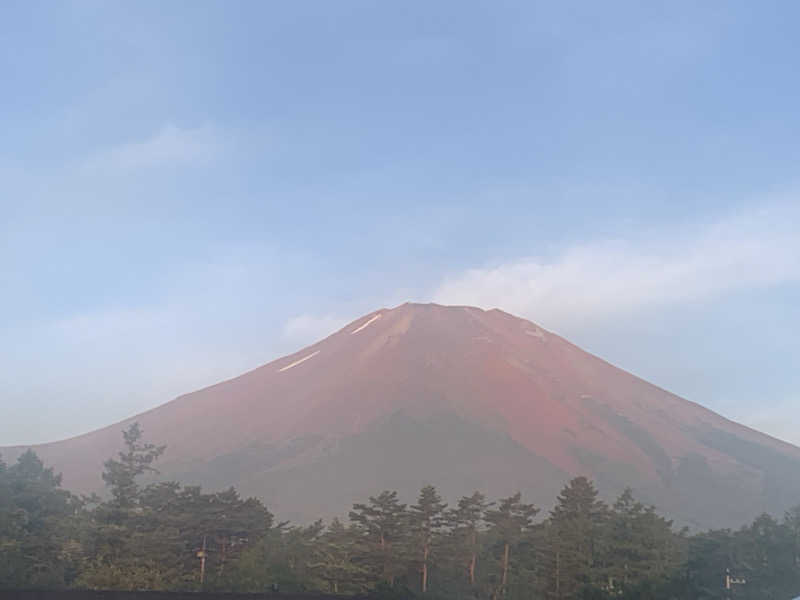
<point x="610" y="278"/>
<point x="307" y="329"/>
<point x="169" y="146"/>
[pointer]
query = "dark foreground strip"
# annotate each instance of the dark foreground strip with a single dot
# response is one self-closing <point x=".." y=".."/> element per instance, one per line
<point x="115" y="595"/>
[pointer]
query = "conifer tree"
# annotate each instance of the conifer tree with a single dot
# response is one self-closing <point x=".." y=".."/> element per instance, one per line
<point x="640" y="546"/>
<point x="335" y="559"/>
<point x="791" y="521"/>
<point x="427" y="519"/>
<point x="625" y="543"/>
<point x="38" y="525"/>
<point x="466" y="522"/>
<point x="575" y="535"/>
<point x="509" y="522"/>
<point x="121" y="475"/>
<point x="383" y="520"/>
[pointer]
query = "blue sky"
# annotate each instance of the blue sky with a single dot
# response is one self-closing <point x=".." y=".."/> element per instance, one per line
<point x="191" y="189"/>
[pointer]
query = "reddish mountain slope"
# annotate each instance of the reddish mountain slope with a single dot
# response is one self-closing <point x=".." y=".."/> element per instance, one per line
<point x="460" y="397"/>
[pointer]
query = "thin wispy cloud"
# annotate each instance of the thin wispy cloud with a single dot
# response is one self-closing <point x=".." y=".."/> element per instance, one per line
<point x="609" y="278"/>
<point x="170" y="146"/>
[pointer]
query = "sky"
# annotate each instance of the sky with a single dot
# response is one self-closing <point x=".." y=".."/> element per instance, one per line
<point x="191" y="189"/>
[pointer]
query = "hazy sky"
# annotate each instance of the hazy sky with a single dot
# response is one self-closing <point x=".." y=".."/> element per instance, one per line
<point x="191" y="189"/>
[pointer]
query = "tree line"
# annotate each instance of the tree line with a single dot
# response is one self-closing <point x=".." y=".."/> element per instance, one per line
<point x="165" y="536"/>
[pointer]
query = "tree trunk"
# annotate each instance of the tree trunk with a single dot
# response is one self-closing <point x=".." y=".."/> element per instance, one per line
<point x="425" y="553"/>
<point x="222" y="558"/>
<point x="472" y="569"/>
<point x="506" y="552"/>
<point x="473" y="559"/>
<point x="558" y="574"/>
<point x="385" y="557"/>
<point x="203" y="565"/>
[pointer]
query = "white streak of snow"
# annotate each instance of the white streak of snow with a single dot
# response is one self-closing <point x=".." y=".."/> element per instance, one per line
<point x="375" y="318"/>
<point x="297" y="362"/>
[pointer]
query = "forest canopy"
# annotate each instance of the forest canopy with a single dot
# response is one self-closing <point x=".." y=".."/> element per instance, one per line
<point x="167" y="536"/>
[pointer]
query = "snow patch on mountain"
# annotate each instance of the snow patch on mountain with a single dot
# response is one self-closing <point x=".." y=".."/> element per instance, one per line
<point x="297" y="362"/>
<point x="375" y="318"/>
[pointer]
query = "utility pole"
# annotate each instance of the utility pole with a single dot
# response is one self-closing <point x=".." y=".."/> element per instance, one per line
<point x="731" y="581"/>
<point x="202" y="554"/>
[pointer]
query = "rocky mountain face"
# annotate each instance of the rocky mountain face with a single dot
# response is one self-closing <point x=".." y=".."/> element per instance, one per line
<point x="459" y="397"/>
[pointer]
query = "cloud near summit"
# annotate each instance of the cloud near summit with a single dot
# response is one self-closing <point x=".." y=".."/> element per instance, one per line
<point x="660" y="268"/>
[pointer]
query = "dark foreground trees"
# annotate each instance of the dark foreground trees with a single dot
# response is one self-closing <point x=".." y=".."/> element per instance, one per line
<point x="162" y="535"/>
<point x="39" y="527"/>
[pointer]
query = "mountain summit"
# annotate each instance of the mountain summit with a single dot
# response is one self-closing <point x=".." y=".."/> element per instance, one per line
<point x="456" y="396"/>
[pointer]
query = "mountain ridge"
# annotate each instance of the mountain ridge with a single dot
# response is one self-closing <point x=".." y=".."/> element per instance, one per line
<point x="443" y="375"/>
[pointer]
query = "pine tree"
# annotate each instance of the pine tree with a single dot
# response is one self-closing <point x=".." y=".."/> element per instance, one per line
<point x="576" y="527"/>
<point x="509" y="523"/>
<point x="626" y="547"/>
<point x="121" y="475"/>
<point x="335" y="559"/>
<point x="427" y="519"/>
<point x="764" y="557"/>
<point x="466" y="522"/>
<point x="641" y="545"/>
<point x="383" y="521"/>
<point x="710" y="555"/>
<point x="38" y="525"/>
<point x="136" y="541"/>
